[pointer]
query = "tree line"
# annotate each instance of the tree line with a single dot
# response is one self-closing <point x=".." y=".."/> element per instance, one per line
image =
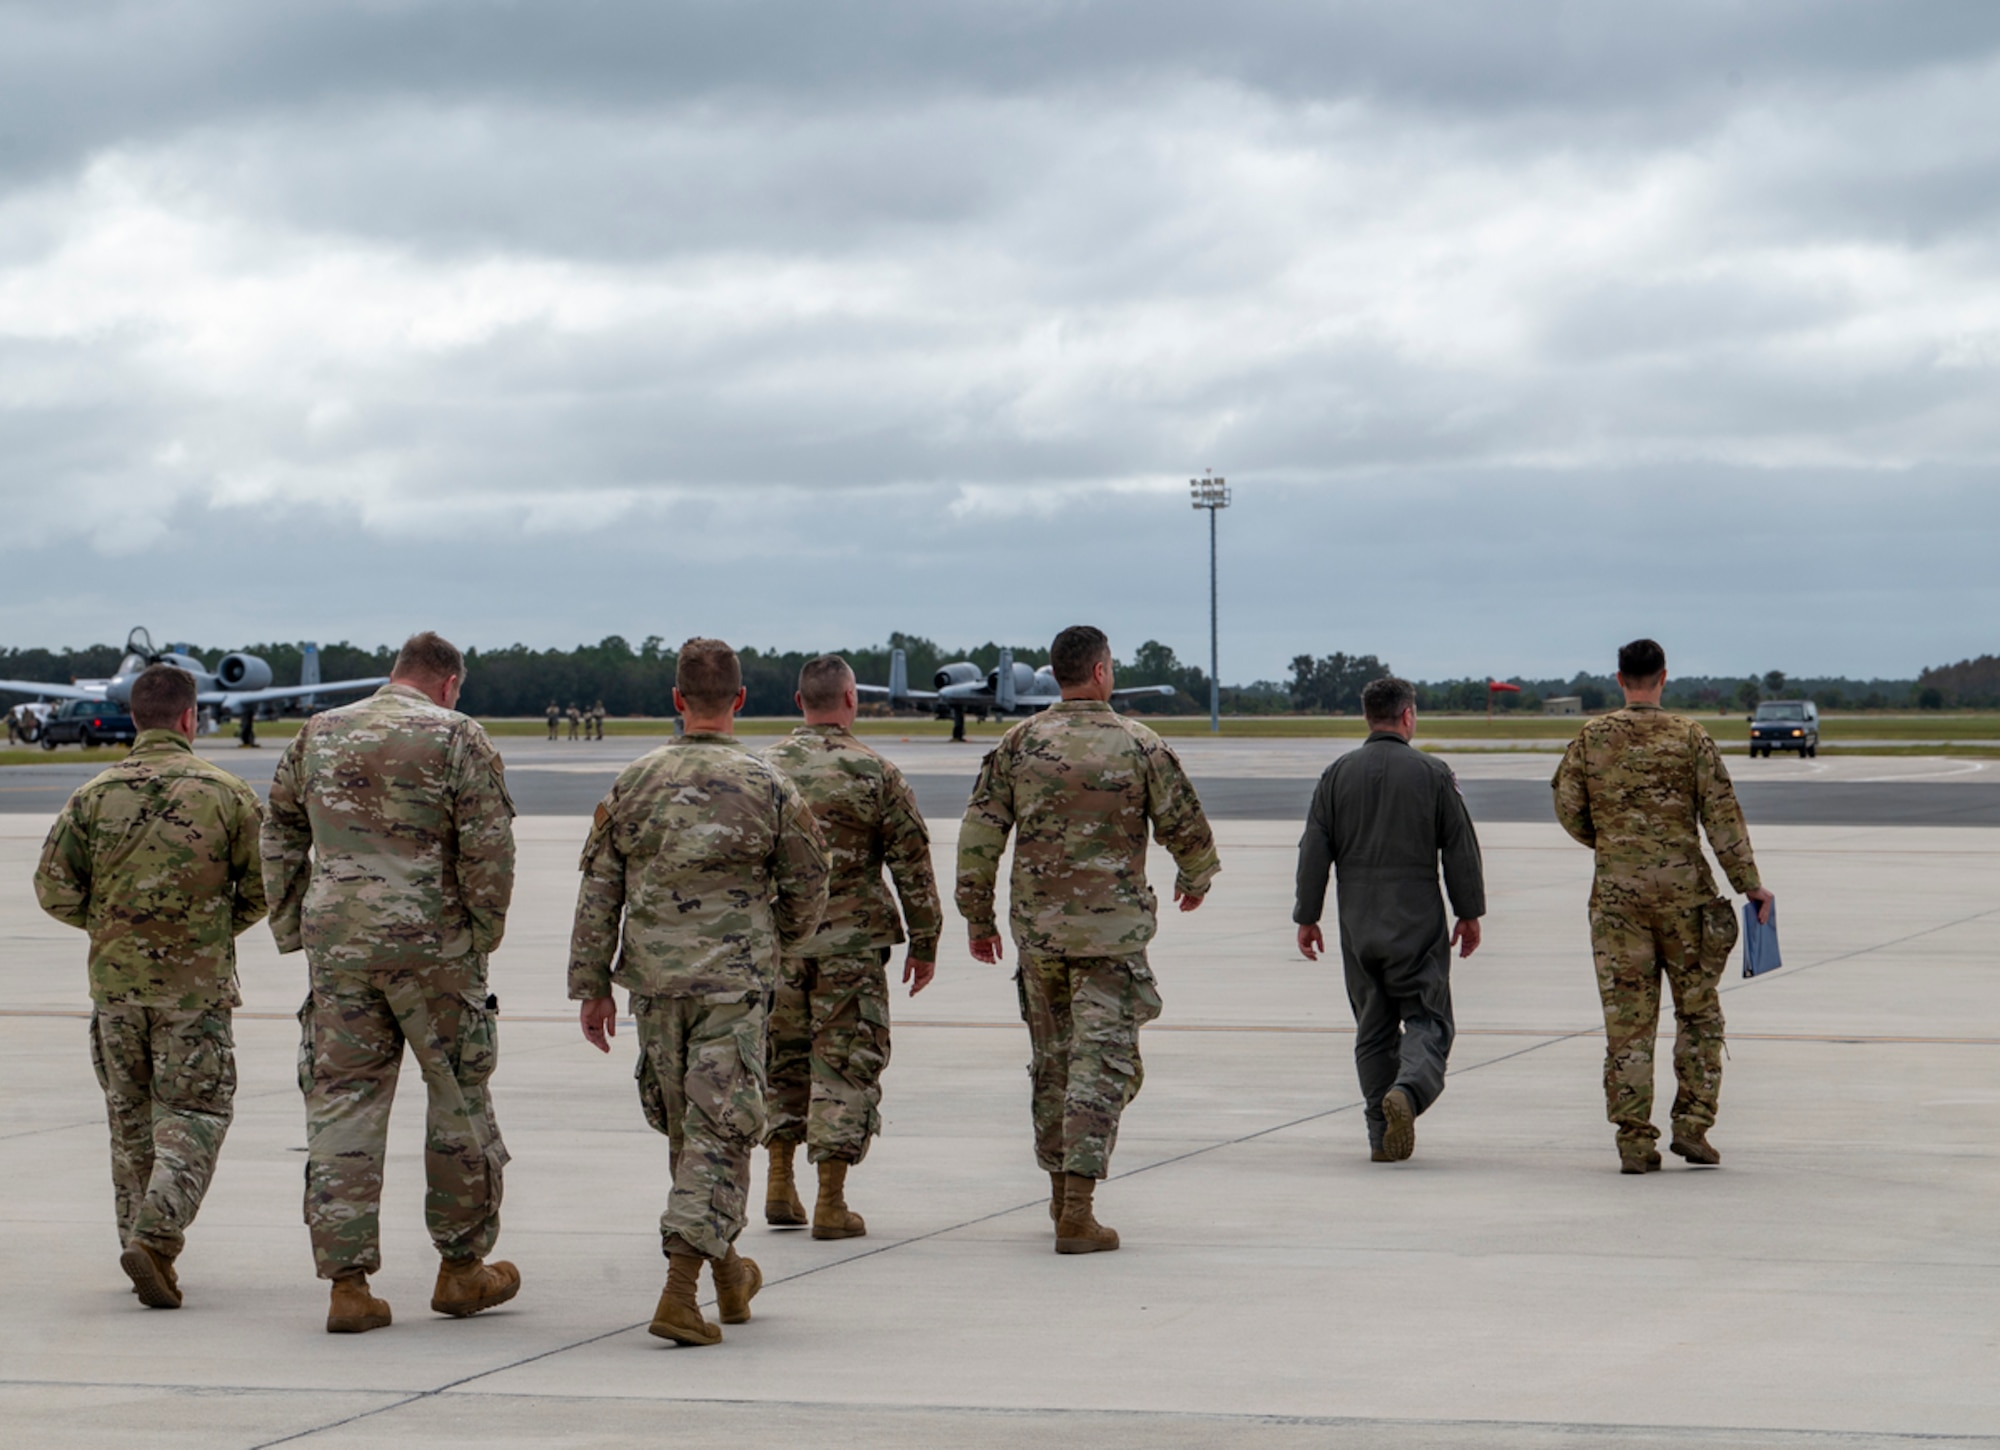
<point x="637" y="680"/>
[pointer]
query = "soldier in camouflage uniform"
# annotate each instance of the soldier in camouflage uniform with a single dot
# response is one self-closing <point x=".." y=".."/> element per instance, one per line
<point x="554" y="712"/>
<point x="575" y="720"/>
<point x="157" y="859"/>
<point x="1638" y="787"/>
<point x="389" y="857"/>
<point x="829" y="1030"/>
<point x="702" y="865"/>
<point x="1077" y="785"/>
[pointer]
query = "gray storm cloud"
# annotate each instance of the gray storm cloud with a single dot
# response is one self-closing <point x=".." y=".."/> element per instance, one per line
<point x="1522" y="329"/>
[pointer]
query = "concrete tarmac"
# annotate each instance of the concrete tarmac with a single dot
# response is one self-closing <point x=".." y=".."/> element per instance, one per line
<point x="1239" y="779"/>
<point x="1836" y="1282"/>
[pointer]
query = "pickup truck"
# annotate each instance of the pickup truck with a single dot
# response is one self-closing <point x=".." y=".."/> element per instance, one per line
<point x="88" y="723"/>
<point x="1785" y="725"/>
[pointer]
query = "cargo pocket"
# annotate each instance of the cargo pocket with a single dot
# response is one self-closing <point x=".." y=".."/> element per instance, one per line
<point x="201" y="1076"/>
<point x="1718" y="937"/>
<point x="652" y="1098"/>
<point x="306" y="1048"/>
<point x="477" y="1051"/>
<point x="1146" y="1003"/>
<point x="97" y="1054"/>
<point x="745" y="1111"/>
<point x="1021" y="992"/>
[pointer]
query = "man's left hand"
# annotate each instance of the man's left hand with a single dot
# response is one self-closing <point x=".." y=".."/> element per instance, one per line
<point x="599" y="1019"/>
<point x="918" y="974"/>
<point x="1465" y="936"/>
<point x="1312" y="941"/>
<point x="1187" y="902"/>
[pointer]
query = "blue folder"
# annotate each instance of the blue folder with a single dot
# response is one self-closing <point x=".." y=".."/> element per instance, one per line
<point x="1760" y="941"/>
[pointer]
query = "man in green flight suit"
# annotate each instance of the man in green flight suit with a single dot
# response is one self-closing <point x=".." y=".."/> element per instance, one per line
<point x="1639" y="786"/>
<point x="157" y="859"/>
<point x="1077" y="785"/>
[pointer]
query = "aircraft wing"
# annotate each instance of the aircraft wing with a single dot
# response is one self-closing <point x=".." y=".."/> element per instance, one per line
<point x="50" y="692"/>
<point x="230" y="699"/>
<point x="1136" y="692"/>
<point x="881" y="692"/>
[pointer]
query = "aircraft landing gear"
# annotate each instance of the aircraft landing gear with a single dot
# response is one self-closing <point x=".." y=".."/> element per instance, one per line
<point x="246" y="730"/>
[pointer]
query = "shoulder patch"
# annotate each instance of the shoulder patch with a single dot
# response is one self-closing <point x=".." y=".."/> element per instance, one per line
<point x="602" y="817"/>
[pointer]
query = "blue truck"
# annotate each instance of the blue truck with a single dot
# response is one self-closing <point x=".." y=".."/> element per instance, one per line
<point x="88" y="723"/>
<point x="1785" y="725"/>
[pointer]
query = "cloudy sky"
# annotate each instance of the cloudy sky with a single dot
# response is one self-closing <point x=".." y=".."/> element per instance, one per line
<point x="1519" y="330"/>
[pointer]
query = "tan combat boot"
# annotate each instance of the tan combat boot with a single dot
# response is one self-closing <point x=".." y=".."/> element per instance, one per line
<point x="737" y="1281"/>
<point x="1399" y="1134"/>
<point x="1056" y="1196"/>
<point x="1078" y="1231"/>
<point x="466" y="1286"/>
<point x="353" y="1309"/>
<point x="152" y="1276"/>
<point x="1693" y="1145"/>
<point x="782" y="1205"/>
<point x="832" y="1218"/>
<point x="678" y="1317"/>
<point x="1638" y="1159"/>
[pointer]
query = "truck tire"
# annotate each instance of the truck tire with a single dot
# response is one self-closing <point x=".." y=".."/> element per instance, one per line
<point x="48" y="740"/>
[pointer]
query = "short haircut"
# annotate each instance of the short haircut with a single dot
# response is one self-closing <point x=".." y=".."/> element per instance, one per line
<point x="160" y="695"/>
<point x="823" y="681"/>
<point x="428" y="656"/>
<point x="1076" y="652"/>
<point x="1641" y="662"/>
<point x="1383" y="701"/>
<point x="708" y="674"/>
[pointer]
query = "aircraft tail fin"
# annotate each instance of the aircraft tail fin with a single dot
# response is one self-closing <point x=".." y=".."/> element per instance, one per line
<point x="309" y="670"/>
<point x="1003" y="687"/>
<point x="899" y="677"/>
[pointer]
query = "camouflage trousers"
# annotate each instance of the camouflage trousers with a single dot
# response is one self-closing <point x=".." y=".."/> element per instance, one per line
<point x="1084" y="1016"/>
<point x="828" y="1045"/>
<point x="1634" y="950"/>
<point x="169" y="1080"/>
<point x="352" y="1032"/>
<point x="701" y="1082"/>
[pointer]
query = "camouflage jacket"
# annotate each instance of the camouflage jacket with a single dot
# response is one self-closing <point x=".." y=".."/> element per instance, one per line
<point x="867" y="817"/>
<point x="703" y="864"/>
<point x="157" y="859"/>
<point x="1077" y="785"/>
<point x="1638" y="787"/>
<point x="390" y="836"/>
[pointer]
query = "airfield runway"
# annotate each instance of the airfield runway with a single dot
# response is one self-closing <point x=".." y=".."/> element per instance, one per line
<point x="1243" y="780"/>
<point x="1835" y="1283"/>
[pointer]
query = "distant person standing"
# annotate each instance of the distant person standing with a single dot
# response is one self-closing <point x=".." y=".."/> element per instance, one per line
<point x="1078" y="785"/>
<point x="157" y="859"/>
<point x="1639" y="786"/>
<point x="555" y="718"/>
<point x="829" y="1029"/>
<point x="389" y="858"/>
<point x="702" y="866"/>
<point x="597" y="721"/>
<point x="1382" y="818"/>
<point x="575" y="720"/>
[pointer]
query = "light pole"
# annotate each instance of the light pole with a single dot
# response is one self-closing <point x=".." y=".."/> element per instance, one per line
<point x="1212" y="493"/>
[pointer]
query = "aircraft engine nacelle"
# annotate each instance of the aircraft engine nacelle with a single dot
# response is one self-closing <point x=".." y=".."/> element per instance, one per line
<point x="962" y="673"/>
<point x="1024" y="680"/>
<point x="243" y="672"/>
<point x="1045" y="682"/>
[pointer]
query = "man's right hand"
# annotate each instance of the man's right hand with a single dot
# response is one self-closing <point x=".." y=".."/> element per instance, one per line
<point x="599" y="1018"/>
<point x="1312" y="941"/>
<point x="986" y="949"/>
<point x="1765" y="900"/>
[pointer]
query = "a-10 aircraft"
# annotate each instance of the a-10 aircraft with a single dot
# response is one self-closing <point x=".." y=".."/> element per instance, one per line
<point x="963" y="689"/>
<point x="237" y="685"/>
